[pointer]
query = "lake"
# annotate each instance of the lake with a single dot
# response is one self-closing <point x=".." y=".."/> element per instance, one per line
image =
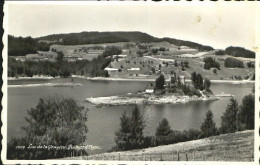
<point x="104" y="121"/>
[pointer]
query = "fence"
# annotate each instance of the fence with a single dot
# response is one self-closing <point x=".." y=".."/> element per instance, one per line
<point x="193" y="155"/>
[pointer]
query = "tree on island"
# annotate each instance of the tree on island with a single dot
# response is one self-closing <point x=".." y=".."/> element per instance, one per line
<point x="229" y="120"/>
<point x="208" y="127"/>
<point x="207" y="84"/>
<point x="54" y="121"/>
<point x="159" y="82"/>
<point x="197" y="80"/>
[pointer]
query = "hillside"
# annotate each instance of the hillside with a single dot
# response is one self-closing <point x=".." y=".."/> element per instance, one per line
<point x="237" y="146"/>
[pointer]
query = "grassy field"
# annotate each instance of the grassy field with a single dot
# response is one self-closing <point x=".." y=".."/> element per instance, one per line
<point x="237" y="146"/>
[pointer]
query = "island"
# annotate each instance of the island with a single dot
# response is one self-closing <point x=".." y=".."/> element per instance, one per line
<point x="177" y="90"/>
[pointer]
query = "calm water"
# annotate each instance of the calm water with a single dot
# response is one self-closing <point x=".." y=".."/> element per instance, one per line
<point x="104" y="121"/>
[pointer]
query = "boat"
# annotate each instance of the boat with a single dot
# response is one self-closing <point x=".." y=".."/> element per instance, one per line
<point x="224" y="95"/>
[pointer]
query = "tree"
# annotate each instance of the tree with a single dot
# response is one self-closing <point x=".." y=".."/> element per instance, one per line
<point x="164" y="128"/>
<point x="130" y="135"/>
<point x="60" y="56"/>
<point x="208" y="127"/>
<point x="207" y="84"/>
<point x="137" y="127"/>
<point x="122" y="136"/>
<point x="247" y="111"/>
<point x="229" y="120"/>
<point x="163" y="131"/>
<point x="197" y="80"/>
<point x="54" y="121"/>
<point x="159" y="82"/>
<point x="186" y="63"/>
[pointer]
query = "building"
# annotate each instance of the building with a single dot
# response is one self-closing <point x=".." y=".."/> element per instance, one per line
<point x="149" y="91"/>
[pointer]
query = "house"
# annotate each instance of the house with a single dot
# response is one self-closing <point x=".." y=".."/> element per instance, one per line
<point x="134" y="69"/>
<point x="149" y="91"/>
<point x="111" y="69"/>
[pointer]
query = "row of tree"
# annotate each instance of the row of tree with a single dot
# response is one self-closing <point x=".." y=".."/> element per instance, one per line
<point x="239" y="52"/>
<point x="236" y="52"/>
<point x="61" y="67"/>
<point x="200" y="83"/>
<point x="130" y="135"/>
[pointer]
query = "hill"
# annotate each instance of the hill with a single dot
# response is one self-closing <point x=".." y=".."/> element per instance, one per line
<point x="112" y="37"/>
<point x="22" y="46"/>
<point x="237" y="146"/>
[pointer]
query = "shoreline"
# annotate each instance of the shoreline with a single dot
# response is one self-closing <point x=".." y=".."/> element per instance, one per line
<point x="150" y="100"/>
<point x="46" y="85"/>
<point x="120" y="79"/>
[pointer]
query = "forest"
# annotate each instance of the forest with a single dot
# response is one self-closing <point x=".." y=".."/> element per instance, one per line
<point x="111" y="37"/>
<point x="62" y="68"/>
<point x="19" y="46"/>
<point x="239" y="52"/>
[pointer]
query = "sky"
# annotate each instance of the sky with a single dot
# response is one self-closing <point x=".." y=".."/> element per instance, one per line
<point x="210" y="24"/>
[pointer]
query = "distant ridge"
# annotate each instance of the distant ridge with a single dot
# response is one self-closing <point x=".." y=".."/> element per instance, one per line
<point x="111" y="37"/>
<point x="21" y="46"/>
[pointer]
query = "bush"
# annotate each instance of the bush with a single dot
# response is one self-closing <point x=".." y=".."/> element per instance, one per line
<point x="215" y="71"/>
